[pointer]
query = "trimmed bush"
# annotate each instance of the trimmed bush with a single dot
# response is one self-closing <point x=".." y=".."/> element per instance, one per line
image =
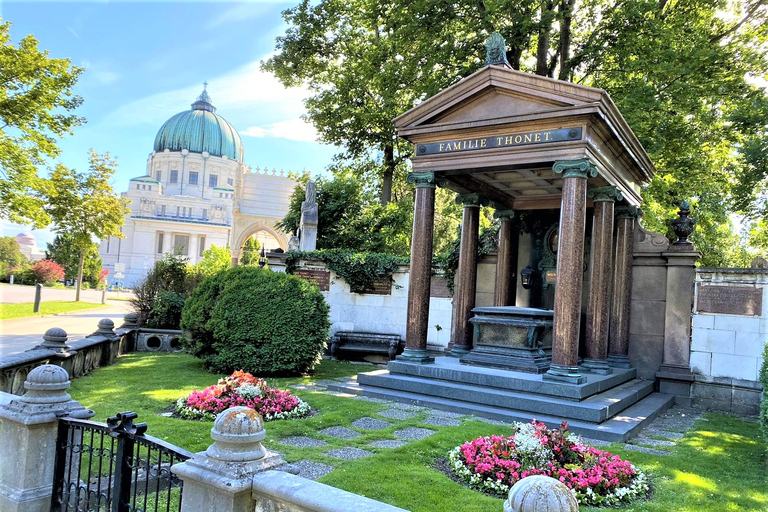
<point x="263" y="322"/>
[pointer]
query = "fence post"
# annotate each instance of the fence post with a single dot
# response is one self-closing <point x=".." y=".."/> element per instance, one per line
<point x="220" y="478"/>
<point x="28" y="439"/>
<point x="38" y="296"/>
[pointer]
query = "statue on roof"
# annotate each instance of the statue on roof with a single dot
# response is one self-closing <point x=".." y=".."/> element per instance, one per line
<point x="496" y="50"/>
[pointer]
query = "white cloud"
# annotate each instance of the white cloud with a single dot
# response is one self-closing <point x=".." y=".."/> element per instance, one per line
<point x="291" y="129"/>
<point x="240" y="12"/>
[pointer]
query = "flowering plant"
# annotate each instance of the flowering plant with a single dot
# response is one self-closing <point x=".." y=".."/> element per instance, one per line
<point x="494" y="464"/>
<point x="241" y="388"/>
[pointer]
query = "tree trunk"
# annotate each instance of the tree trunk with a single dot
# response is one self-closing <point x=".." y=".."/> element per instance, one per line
<point x="542" y="49"/>
<point x="389" y="172"/>
<point x="80" y="275"/>
<point x="566" y="13"/>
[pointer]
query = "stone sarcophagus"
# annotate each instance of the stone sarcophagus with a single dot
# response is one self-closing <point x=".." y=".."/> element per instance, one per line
<point x="511" y="337"/>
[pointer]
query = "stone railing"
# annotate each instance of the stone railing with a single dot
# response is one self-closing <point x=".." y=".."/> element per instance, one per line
<point x="77" y="357"/>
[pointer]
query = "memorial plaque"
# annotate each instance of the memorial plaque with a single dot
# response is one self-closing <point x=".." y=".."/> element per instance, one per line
<point x="730" y="300"/>
<point x="379" y="288"/>
<point x="321" y="278"/>
<point x="438" y="288"/>
<point x="550" y="277"/>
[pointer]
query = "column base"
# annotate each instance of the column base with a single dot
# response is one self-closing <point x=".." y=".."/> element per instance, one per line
<point x="599" y="366"/>
<point x="459" y="351"/>
<point x="569" y="374"/>
<point x="619" y="361"/>
<point x="414" y="355"/>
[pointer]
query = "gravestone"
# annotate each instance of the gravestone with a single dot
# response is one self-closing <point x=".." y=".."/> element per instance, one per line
<point x="309" y="218"/>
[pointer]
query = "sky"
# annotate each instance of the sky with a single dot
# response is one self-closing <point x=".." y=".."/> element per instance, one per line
<point x="146" y="61"/>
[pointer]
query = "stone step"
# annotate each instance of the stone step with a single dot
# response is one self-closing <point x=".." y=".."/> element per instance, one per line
<point x="620" y="428"/>
<point x="594" y="409"/>
<point x="451" y="370"/>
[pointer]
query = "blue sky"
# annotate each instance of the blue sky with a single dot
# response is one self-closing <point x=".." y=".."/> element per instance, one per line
<point x="146" y="61"/>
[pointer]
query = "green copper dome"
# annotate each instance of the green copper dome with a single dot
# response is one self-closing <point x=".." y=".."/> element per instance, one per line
<point x="199" y="130"/>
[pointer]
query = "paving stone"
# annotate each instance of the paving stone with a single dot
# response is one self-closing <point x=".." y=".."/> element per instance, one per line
<point x="407" y="407"/>
<point x="349" y="453"/>
<point x="652" y="442"/>
<point x="397" y="414"/>
<point x="340" y="433"/>
<point x="388" y="443"/>
<point x="444" y="414"/>
<point x="489" y="421"/>
<point x="302" y="442"/>
<point x="307" y="387"/>
<point x="373" y="399"/>
<point x="312" y="470"/>
<point x="595" y="442"/>
<point x="327" y="383"/>
<point x="442" y="422"/>
<point x="643" y="449"/>
<point x="370" y="424"/>
<point x="663" y="433"/>
<point x="413" y="433"/>
<point x="341" y="394"/>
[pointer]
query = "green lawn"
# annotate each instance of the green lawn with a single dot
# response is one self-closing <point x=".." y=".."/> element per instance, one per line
<point x="718" y="466"/>
<point x="25" y="309"/>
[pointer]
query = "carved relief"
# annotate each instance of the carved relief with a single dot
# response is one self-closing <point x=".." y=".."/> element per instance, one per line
<point x="648" y="241"/>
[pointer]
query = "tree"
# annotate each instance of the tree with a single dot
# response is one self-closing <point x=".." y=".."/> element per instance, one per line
<point x="64" y="251"/>
<point x="251" y="249"/>
<point x="84" y="207"/>
<point x="10" y="252"/>
<point x="36" y="102"/>
<point x="47" y="271"/>
<point x="215" y="259"/>
<point x="679" y="72"/>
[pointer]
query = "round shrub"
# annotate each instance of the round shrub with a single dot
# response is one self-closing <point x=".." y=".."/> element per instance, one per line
<point x="263" y="322"/>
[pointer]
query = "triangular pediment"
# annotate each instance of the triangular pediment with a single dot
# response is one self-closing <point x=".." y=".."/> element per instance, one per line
<point x="497" y="92"/>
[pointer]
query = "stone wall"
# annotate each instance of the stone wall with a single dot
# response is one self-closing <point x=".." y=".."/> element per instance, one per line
<point x="730" y="328"/>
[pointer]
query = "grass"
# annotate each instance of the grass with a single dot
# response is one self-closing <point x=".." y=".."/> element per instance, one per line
<point x="718" y="466"/>
<point x="25" y="309"/>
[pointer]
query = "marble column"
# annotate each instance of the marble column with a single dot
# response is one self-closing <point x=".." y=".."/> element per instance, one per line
<point x="421" y="268"/>
<point x="600" y="266"/>
<point x="506" y="261"/>
<point x="618" y="338"/>
<point x="570" y="271"/>
<point x="465" y="288"/>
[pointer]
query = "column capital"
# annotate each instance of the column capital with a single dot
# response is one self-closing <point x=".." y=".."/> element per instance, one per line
<point x="472" y="200"/>
<point x="608" y="194"/>
<point x="504" y="215"/>
<point x="425" y="179"/>
<point x="581" y="168"/>
<point x="628" y="212"/>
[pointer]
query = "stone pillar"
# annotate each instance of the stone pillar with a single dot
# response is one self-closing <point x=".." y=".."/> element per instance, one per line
<point x="600" y="266"/>
<point x="506" y="262"/>
<point x="309" y="220"/>
<point x="570" y="271"/>
<point x="28" y="439"/>
<point x="220" y="477"/>
<point x="466" y="275"/>
<point x="618" y="338"/>
<point x="421" y="268"/>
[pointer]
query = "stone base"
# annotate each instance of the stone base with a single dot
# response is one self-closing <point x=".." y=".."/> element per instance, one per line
<point x="619" y="361"/>
<point x="509" y="358"/>
<point x="418" y="356"/>
<point x="569" y="374"/>
<point x="459" y="351"/>
<point x="598" y="366"/>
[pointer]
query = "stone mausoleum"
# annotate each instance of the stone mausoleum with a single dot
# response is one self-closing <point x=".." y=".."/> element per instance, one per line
<point x="571" y="334"/>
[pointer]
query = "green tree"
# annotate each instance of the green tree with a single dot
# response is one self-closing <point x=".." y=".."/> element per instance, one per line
<point x="10" y="252"/>
<point x="215" y="259"/>
<point x="679" y="72"/>
<point x="64" y="251"/>
<point x="251" y="250"/>
<point x="83" y="206"/>
<point x="36" y="101"/>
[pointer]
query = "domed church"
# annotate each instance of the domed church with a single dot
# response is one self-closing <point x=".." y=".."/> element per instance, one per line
<point x="186" y="201"/>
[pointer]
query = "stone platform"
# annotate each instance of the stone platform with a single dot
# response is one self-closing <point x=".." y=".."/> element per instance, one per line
<point x="608" y="407"/>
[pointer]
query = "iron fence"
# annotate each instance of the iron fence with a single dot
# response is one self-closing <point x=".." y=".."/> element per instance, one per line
<point x="114" y="467"/>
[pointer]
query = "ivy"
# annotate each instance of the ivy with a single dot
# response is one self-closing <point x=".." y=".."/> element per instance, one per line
<point x="360" y="270"/>
<point x="449" y="261"/>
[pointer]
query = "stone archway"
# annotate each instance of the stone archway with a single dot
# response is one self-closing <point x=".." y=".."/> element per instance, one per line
<point x="240" y="236"/>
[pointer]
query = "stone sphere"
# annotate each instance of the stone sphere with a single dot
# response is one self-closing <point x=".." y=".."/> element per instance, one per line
<point x="47" y="376"/>
<point x="55" y="334"/>
<point x="105" y="324"/>
<point x="237" y="434"/>
<point x="238" y="421"/>
<point x="540" y="493"/>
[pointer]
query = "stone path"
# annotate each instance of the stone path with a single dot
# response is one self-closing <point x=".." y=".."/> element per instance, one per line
<point x="656" y="439"/>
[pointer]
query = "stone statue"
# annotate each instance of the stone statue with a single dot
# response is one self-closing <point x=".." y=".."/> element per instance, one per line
<point x="309" y="218"/>
<point x="496" y="50"/>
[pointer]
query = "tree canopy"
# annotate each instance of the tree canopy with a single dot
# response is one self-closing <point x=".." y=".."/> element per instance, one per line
<point x="83" y="206"/>
<point x="682" y="74"/>
<point x="36" y="104"/>
<point x="64" y="251"/>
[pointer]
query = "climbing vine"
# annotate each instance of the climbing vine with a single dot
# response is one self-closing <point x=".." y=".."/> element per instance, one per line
<point x="360" y="270"/>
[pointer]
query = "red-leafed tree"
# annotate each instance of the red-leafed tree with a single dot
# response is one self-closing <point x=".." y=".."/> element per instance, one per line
<point x="47" y="271"/>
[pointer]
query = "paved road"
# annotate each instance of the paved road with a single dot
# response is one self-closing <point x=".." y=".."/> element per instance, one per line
<point x="20" y="334"/>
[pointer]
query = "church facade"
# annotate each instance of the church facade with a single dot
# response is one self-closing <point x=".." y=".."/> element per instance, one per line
<point x="192" y="195"/>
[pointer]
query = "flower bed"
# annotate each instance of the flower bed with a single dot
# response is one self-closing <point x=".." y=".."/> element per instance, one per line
<point x="494" y="464"/>
<point x="241" y="388"/>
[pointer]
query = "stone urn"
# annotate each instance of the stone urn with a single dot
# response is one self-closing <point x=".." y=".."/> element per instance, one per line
<point x="540" y="493"/>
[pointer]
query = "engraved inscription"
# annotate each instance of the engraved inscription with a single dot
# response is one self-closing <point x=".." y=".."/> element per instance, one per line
<point x="379" y="288"/>
<point x="320" y="277"/>
<point x="730" y="300"/>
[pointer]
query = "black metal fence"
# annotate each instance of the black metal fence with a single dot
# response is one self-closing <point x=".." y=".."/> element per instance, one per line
<point x="114" y="467"/>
